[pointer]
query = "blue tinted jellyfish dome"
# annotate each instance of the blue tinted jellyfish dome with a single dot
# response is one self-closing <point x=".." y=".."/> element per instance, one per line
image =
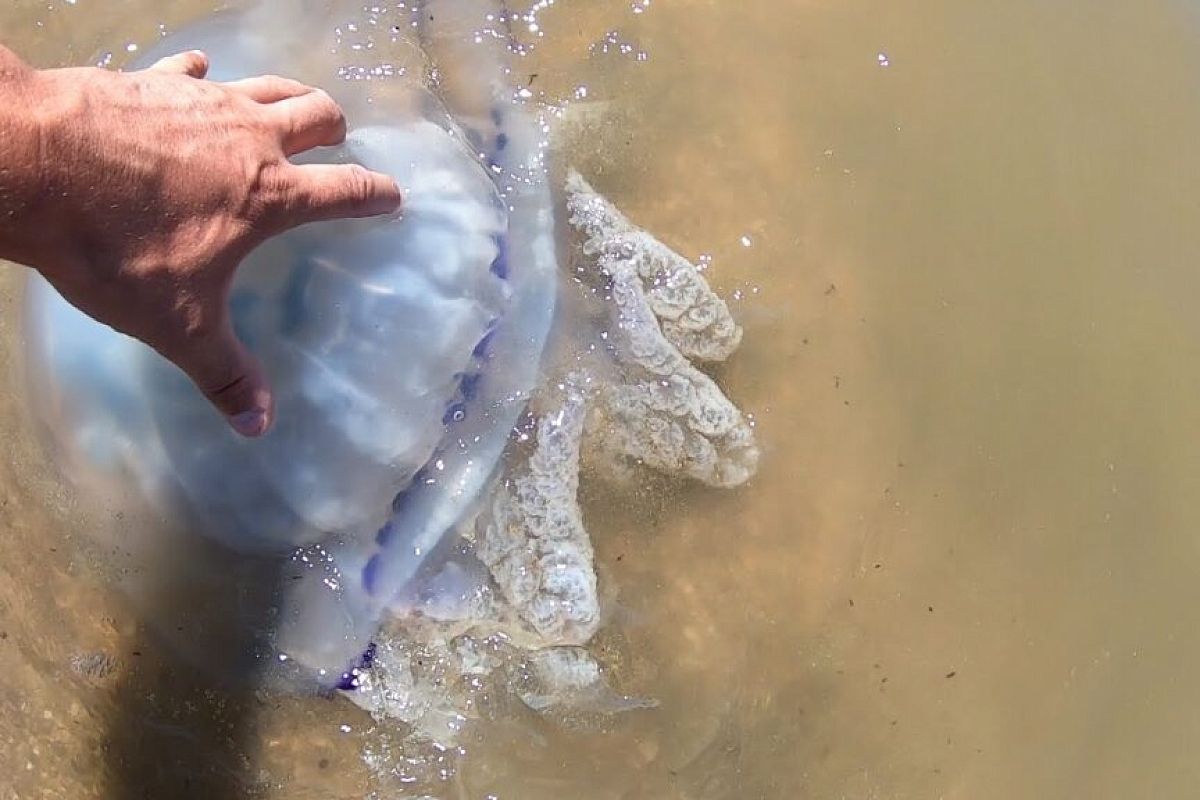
<point x="400" y="349"/>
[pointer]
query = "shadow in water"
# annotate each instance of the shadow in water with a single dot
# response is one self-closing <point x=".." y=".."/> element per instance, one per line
<point x="189" y="700"/>
<point x="176" y="737"/>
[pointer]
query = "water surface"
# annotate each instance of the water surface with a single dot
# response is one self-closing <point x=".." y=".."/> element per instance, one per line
<point x="962" y="237"/>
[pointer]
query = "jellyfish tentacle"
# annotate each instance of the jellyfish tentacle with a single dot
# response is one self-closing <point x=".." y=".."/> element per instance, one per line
<point x="692" y="316"/>
<point x="534" y="541"/>
<point x="668" y="414"/>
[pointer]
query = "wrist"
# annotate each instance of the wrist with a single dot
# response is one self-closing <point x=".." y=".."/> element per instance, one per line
<point x="18" y="156"/>
<point x="32" y="115"/>
<point x="19" y="111"/>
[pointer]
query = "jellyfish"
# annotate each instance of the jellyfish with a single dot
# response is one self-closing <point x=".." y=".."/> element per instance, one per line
<point x="425" y="459"/>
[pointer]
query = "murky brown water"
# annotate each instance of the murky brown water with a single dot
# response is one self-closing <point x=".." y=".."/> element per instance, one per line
<point x="970" y="567"/>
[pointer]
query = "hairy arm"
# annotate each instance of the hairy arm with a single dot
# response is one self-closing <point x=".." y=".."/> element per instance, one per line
<point x="137" y="195"/>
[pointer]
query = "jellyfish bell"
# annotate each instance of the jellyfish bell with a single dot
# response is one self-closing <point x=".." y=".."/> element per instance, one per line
<point x="382" y="519"/>
<point x="401" y="349"/>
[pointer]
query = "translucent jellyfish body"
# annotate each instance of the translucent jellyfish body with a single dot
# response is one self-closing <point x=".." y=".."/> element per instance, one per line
<point x="401" y="350"/>
<point x="403" y="353"/>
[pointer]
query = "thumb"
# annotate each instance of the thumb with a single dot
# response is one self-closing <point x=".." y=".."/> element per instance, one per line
<point x="192" y="63"/>
<point x="231" y="378"/>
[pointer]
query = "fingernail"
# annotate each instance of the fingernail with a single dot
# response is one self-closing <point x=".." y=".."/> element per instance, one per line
<point x="250" y="423"/>
<point x="391" y="204"/>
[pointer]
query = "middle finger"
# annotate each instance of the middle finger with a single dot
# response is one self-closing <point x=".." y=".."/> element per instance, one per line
<point x="311" y="120"/>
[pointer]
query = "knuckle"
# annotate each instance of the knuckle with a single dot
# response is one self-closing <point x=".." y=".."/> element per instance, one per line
<point x="198" y="351"/>
<point x="327" y="102"/>
<point x="322" y="96"/>
<point x="326" y="111"/>
<point x="231" y="383"/>
<point x="358" y="184"/>
<point x="339" y="119"/>
<point x="264" y="192"/>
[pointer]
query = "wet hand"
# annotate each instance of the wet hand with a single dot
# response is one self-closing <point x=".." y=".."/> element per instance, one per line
<point x="153" y="186"/>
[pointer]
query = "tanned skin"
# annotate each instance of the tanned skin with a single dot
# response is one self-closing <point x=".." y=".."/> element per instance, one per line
<point x="138" y="194"/>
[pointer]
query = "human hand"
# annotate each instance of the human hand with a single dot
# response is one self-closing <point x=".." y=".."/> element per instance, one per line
<point x="151" y="188"/>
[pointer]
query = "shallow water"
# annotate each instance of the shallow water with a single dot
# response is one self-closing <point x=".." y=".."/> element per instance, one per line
<point x="961" y="238"/>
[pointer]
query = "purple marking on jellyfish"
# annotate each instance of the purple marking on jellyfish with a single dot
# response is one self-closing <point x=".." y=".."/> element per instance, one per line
<point x="501" y="142"/>
<point x="367" y="659"/>
<point x="349" y="680"/>
<point x="455" y="412"/>
<point x="388" y="532"/>
<point x="469" y="386"/>
<point x="500" y="263"/>
<point x="481" y="349"/>
<point x="369" y="573"/>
